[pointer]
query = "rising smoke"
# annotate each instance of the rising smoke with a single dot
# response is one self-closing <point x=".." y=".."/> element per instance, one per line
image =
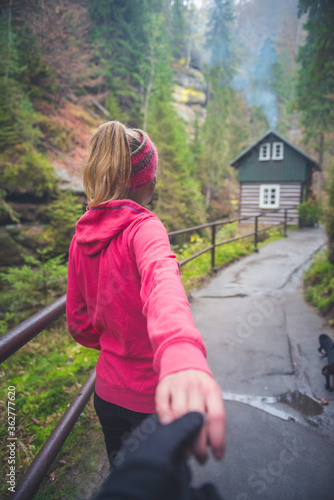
<point x="262" y="27"/>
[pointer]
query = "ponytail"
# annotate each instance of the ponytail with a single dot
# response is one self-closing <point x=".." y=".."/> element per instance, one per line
<point x="108" y="168"/>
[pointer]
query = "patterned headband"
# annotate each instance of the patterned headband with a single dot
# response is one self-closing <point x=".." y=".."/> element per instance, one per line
<point x="144" y="162"/>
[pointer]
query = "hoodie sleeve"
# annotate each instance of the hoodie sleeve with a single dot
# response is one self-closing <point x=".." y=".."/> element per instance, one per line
<point x="78" y="321"/>
<point x="177" y="344"/>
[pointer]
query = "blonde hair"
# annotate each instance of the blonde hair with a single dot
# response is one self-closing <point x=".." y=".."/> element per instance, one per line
<point x="108" y="168"/>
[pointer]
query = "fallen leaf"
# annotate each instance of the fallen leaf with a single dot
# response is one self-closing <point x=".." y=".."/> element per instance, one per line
<point x="37" y="422"/>
<point x="29" y="439"/>
<point x="51" y="477"/>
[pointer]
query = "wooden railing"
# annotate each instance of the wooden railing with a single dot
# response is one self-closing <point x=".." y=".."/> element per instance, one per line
<point x="16" y="338"/>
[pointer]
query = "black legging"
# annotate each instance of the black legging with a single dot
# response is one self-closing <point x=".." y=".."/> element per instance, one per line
<point x="117" y="422"/>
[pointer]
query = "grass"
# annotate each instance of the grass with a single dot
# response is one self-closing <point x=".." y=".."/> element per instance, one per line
<point x="49" y="371"/>
<point x="319" y="285"/>
<point x="194" y="273"/>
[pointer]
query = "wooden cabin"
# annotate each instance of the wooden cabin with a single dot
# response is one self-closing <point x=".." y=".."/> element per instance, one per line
<point x="273" y="174"/>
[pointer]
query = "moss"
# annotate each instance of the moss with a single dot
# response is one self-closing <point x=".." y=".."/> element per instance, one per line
<point x="27" y="170"/>
<point x="11" y="252"/>
<point x="52" y="356"/>
<point x="60" y="137"/>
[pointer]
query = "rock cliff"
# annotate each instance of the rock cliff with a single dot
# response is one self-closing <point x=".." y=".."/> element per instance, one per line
<point x="190" y="97"/>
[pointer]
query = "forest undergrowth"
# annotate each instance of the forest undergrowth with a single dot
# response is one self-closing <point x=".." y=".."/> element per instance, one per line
<point x="319" y="286"/>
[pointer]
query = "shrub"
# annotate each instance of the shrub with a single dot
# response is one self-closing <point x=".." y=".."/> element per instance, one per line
<point x="309" y="213"/>
<point x="63" y="213"/>
<point x="29" y="287"/>
<point x="319" y="281"/>
<point x="329" y="213"/>
<point x="30" y="171"/>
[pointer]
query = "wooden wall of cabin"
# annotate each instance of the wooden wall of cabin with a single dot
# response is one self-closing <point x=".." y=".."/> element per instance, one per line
<point x="290" y="195"/>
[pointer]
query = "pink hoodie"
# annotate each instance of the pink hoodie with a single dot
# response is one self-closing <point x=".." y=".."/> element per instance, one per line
<point x="125" y="298"/>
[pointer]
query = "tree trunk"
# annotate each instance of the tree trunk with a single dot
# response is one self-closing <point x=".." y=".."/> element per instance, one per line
<point x="148" y="91"/>
<point x="208" y="197"/>
<point x="320" y="161"/>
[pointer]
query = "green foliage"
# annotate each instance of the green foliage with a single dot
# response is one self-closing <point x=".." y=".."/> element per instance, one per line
<point x="6" y="209"/>
<point x="309" y="213"/>
<point x="178" y="28"/>
<point x="329" y="212"/>
<point x="194" y="272"/>
<point x="319" y="281"/>
<point x="315" y="86"/>
<point x="178" y="201"/>
<point x="22" y="167"/>
<point x="282" y="82"/>
<point x="52" y="356"/>
<point x="63" y="214"/>
<point x="29" y="287"/>
<point x="221" y="15"/>
<point x="114" y="108"/>
<point x="120" y="33"/>
<point x="57" y="134"/>
<point x="31" y="172"/>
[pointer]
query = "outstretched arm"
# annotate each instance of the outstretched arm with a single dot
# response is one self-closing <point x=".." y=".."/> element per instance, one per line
<point x="186" y="383"/>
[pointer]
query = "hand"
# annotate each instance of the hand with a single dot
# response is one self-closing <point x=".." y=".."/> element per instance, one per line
<point x="194" y="390"/>
<point x="153" y="466"/>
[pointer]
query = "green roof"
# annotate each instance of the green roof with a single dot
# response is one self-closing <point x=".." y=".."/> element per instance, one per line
<point x="308" y="158"/>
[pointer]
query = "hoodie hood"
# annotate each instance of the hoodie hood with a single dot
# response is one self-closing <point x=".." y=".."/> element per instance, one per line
<point x="99" y="225"/>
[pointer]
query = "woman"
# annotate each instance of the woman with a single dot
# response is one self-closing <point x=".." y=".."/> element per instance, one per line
<point x="125" y="299"/>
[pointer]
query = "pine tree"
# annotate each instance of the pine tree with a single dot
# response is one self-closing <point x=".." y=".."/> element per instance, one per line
<point x="214" y="162"/>
<point x="177" y="201"/>
<point x="120" y="32"/>
<point x="315" y="87"/>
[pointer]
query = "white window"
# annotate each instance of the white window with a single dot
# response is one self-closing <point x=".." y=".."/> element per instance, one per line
<point x="264" y="152"/>
<point x="269" y="196"/>
<point x="278" y="151"/>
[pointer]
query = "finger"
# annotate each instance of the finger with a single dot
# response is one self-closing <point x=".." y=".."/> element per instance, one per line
<point x="196" y="400"/>
<point x="199" y="447"/>
<point x="179" y="402"/>
<point x="163" y="403"/>
<point x="179" y="434"/>
<point x="216" y="423"/>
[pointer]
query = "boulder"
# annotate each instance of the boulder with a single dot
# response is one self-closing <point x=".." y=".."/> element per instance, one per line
<point x="191" y="78"/>
<point x="188" y="95"/>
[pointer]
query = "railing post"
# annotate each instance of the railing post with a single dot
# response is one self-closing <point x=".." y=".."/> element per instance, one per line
<point x="285" y="222"/>
<point x="256" y="234"/>
<point x="213" y="243"/>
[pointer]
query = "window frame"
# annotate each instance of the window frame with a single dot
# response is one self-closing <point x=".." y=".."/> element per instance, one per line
<point x="277" y="196"/>
<point x="281" y="156"/>
<point x="261" y="157"/>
